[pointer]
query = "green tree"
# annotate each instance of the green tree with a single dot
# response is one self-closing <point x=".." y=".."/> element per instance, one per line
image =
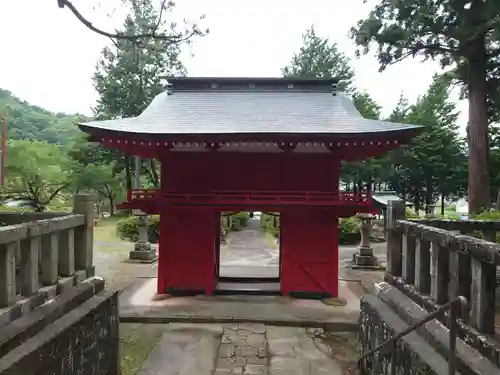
<point x="36" y="171"/>
<point x="27" y="121"/>
<point x="463" y="36"/>
<point x="129" y="76"/>
<point x="434" y="165"/>
<point x="494" y="164"/>
<point x="102" y="179"/>
<point x="319" y="57"/>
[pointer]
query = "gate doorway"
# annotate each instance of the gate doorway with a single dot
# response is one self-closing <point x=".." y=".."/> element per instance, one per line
<point x="248" y="254"/>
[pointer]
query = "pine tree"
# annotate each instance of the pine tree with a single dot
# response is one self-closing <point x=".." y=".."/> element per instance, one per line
<point x="434" y="164"/>
<point x="129" y="76"/>
<point x="319" y="57"/>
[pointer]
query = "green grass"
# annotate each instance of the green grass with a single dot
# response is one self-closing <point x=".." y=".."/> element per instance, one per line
<point x="271" y="240"/>
<point x="105" y="232"/>
<point x="136" y="342"/>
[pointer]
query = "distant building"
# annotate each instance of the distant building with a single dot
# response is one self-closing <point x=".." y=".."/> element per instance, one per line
<point x="462" y="207"/>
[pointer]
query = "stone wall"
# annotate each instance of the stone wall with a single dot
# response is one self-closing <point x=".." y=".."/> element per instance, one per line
<point x="83" y="340"/>
<point x="425" y="350"/>
<point x="411" y="355"/>
<point x="468" y="360"/>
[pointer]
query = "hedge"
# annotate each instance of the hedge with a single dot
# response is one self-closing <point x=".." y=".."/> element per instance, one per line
<point x="128" y="228"/>
<point x="239" y="221"/>
<point x="349" y="233"/>
<point x="267" y="223"/>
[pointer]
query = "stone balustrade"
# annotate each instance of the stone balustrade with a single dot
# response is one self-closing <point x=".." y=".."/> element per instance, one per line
<point x="43" y="256"/>
<point x="485" y="229"/>
<point x="432" y="263"/>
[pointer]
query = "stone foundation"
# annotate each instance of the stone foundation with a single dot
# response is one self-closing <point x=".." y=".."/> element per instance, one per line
<point x="143" y="255"/>
<point x="469" y="360"/>
<point x="77" y="333"/>
<point x="365" y="261"/>
<point x="413" y="355"/>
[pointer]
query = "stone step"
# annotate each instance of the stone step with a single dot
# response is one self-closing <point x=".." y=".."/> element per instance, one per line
<point x="469" y="360"/>
<point x="249" y="288"/>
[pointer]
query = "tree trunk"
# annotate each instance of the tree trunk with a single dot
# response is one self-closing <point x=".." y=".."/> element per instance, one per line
<point x="497" y="205"/>
<point x="416" y="203"/>
<point x="111" y="199"/>
<point x="477" y="129"/>
<point x="428" y="198"/>
<point x="128" y="172"/>
<point x="154" y="172"/>
<point x="442" y="204"/>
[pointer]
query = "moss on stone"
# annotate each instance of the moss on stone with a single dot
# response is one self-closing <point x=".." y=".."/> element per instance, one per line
<point x="136" y="342"/>
<point x="334" y="301"/>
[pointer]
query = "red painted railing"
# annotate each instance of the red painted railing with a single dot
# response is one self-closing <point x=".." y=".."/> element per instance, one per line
<point x="249" y="197"/>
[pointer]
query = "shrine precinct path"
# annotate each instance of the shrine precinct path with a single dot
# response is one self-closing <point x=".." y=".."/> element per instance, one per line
<point x="244" y="349"/>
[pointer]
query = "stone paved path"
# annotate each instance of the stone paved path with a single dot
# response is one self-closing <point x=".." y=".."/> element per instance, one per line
<point x="243" y="349"/>
<point x="249" y="254"/>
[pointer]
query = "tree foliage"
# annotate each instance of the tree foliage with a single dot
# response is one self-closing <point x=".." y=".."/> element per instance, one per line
<point x="434" y="165"/>
<point x="36" y="171"/>
<point x="128" y="76"/>
<point x="49" y="158"/>
<point x="464" y="37"/>
<point x="27" y="121"/>
<point x="101" y="178"/>
<point x="319" y="57"/>
<point x="421" y="172"/>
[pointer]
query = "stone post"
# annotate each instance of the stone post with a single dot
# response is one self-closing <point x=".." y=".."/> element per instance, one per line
<point x="84" y="235"/>
<point x="483" y="296"/>
<point x="143" y="251"/>
<point x="365" y="258"/>
<point x="7" y="274"/>
<point x="395" y="211"/>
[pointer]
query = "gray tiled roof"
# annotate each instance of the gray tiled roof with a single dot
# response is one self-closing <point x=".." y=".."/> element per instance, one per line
<point x="266" y="111"/>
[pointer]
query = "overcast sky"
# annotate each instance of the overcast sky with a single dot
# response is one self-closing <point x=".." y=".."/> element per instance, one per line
<point x="48" y="57"/>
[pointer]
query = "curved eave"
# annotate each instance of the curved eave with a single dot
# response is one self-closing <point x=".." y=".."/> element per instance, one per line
<point x="402" y="135"/>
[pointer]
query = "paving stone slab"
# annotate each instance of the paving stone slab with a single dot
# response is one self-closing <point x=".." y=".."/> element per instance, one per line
<point x="254" y="328"/>
<point x="212" y="349"/>
<point x="185" y="349"/>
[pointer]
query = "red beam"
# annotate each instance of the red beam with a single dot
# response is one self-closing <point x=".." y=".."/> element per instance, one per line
<point x="249" y="198"/>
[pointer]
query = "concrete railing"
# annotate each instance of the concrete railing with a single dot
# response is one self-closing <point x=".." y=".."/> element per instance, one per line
<point x="433" y="264"/>
<point x="42" y="258"/>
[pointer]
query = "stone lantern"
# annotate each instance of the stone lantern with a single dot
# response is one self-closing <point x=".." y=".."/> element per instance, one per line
<point x="365" y="258"/>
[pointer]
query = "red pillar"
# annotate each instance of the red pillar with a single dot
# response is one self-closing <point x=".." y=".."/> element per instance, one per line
<point x="186" y="255"/>
<point x="162" y="254"/>
<point x="309" y="252"/>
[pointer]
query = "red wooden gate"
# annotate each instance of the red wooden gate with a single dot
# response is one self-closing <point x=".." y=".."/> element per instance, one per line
<point x="309" y="249"/>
